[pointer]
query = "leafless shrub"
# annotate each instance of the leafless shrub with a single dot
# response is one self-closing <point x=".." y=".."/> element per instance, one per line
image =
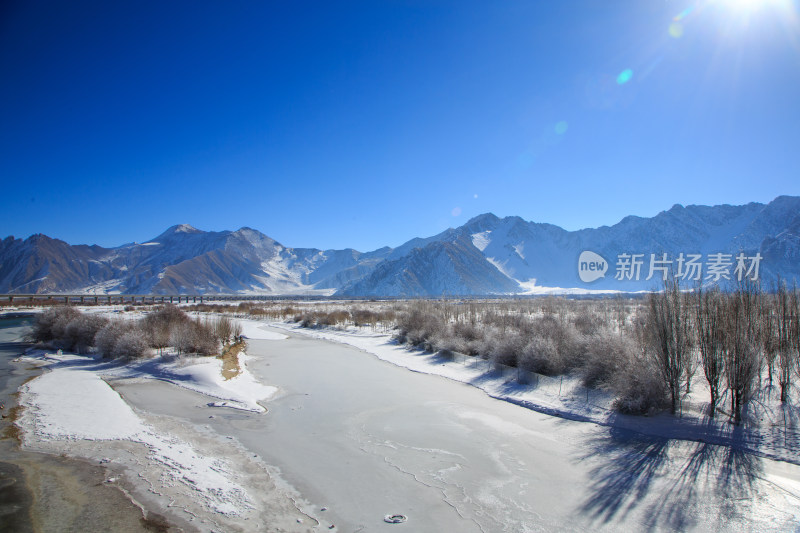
<point x="587" y="321"/>
<point x="193" y="336"/>
<point x="419" y="325"/>
<point x="313" y="319"/>
<point x="541" y="355"/>
<point x="106" y="339"/>
<point x="131" y="345"/>
<point x="51" y="325"/>
<point x="607" y="355"/>
<point x="506" y="349"/>
<point x="639" y="388"/>
<point x="226" y="329"/>
<point x="81" y="331"/>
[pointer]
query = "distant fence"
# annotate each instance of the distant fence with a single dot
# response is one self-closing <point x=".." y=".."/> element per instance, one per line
<point x="44" y="299"/>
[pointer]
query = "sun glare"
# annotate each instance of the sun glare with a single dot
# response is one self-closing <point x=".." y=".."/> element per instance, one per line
<point x="742" y="14"/>
<point x="748" y="6"/>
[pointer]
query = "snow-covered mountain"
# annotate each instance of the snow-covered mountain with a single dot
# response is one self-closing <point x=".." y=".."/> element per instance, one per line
<point x="182" y="260"/>
<point x="487" y="255"/>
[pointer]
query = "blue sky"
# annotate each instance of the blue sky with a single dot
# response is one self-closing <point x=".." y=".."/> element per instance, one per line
<point x="364" y="124"/>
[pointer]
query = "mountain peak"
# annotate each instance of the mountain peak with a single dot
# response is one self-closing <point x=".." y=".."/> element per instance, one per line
<point x="181" y="228"/>
<point x="184" y="228"/>
<point x="178" y="230"/>
<point x="485" y="218"/>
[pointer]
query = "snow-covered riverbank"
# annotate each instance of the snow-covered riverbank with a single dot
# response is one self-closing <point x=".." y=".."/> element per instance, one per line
<point x="210" y="480"/>
<point x="348" y="433"/>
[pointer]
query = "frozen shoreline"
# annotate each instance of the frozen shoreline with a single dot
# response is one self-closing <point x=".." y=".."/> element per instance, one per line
<point x="204" y="480"/>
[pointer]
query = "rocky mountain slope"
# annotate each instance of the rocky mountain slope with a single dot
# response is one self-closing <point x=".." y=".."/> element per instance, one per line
<point x="487" y="255"/>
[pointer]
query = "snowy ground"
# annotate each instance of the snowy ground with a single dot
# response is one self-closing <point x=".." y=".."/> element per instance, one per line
<point x="72" y="402"/>
<point x="770" y="430"/>
<point x="366" y="438"/>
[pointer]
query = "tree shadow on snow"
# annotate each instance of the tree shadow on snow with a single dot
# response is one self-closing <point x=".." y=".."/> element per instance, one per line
<point x="709" y="482"/>
<point x="631" y="462"/>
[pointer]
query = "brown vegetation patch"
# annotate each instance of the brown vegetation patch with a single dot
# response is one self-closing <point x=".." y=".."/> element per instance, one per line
<point x="230" y="360"/>
<point x="12" y="430"/>
<point x="155" y="522"/>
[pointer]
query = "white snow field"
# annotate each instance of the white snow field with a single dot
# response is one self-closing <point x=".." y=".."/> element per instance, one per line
<point x="350" y="438"/>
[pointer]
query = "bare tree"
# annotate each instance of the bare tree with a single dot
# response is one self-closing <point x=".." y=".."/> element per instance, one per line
<point x="670" y="337"/>
<point x="741" y="345"/>
<point x="785" y="320"/>
<point x="770" y="331"/>
<point x="180" y="337"/>
<point x="709" y="328"/>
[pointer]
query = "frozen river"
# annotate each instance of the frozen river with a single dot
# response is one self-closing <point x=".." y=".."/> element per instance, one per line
<point x="363" y="439"/>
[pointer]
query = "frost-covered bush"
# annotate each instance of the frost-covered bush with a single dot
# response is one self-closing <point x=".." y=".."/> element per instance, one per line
<point x="131" y="345"/>
<point x="607" y="355"/>
<point x="588" y="322"/>
<point x="638" y="388"/>
<point x="106" y="339"/>
<point x="541" y="355"/>
<point x="205" y="342"/>
<point x="419" y="326"/>
<point x="226" y="329"/>
<point x="82" y="330"/>
<point x="170" y="326"/>
<point x="506" y="349"/>
<point x="313" y="319"/>
<point x="194" y="337"/>
<point x="51" y="325"/>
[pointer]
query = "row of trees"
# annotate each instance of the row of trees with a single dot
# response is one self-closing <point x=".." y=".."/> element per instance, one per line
<point x="734" y="336"/>
<point x="69" y="329"/>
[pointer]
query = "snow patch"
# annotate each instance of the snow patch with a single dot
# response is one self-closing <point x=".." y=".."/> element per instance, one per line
<point x="73" y="402"/>
<point x="481" y="240"/>
<point x="252" y="329"/>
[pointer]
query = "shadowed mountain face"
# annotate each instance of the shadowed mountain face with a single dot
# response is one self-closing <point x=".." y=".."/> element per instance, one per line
<point x="487" y="255"/>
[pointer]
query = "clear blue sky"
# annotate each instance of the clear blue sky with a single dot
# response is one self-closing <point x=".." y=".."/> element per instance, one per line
<point x="332" y="124"/>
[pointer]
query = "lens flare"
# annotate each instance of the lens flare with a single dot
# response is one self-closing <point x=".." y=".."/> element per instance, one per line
<point x="676" y="30"/>
<point x="561" y="127"/>
<point x="683" y="14"/>
<point x="624" y="76"/>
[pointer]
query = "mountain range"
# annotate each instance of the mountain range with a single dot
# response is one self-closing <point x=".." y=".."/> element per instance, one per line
<point x="488" y="255"/>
